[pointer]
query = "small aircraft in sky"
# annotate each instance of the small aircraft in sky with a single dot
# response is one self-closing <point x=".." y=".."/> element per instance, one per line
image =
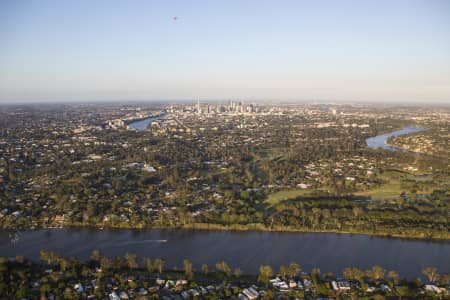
<point x="175" y="18"/>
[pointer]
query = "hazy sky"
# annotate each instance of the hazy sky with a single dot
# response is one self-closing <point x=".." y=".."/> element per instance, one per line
<point x="334" y="50"/>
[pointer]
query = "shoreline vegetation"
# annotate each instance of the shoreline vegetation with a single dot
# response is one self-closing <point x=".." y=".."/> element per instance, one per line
<point x="122" y="277"/>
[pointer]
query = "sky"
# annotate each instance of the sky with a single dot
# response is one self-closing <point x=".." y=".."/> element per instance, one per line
<point x="346" y="50"/>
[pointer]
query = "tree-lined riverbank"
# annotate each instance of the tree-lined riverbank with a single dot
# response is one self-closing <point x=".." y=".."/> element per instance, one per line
<point x="126" y="277"/>
<point x="330" y="252"/>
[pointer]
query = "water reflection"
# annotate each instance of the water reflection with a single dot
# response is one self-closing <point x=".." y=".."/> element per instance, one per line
<point x="247" y="250"/>
<point x="379" y="141"/>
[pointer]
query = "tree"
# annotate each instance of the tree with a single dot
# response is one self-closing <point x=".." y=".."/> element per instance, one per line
<point x="315" y="272"/>
<point x="348" y="273"/>
<point x="352" y="274"/>
<point x="63" y="264"/>
<point x="205" y="269"/>
<point x="237" y="272"/>
<point x="20" y="259"/>
<point x="188" y="270"/>
<point x="120" y="262"/>
<point x="22" y="292"/>
<point x="283" y="271"/>
<point x="96" y="255"/>
<point x="444" y="279"/>
<point x="431" y="273"/>
<point x="49" y="256"/>
<point x="393" y="277"/>
<point x="268" y="295"/>
<point x="45" y="288"/>
<point x="223" y="267"/>
<point x="294" y="269"/>
<point x="131" y="260"/>
<point x="159" y="265"/>
<point x="70" y="294"/>
<point x="105" y="263"/>
<point x="376" y="273"/>
<point x="149" y="265"/>
<point x="265" y="272"/>
<point x="357" y="211"/>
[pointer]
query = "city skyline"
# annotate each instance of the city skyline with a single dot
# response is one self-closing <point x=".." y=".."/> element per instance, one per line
<point x="374" y="51"/>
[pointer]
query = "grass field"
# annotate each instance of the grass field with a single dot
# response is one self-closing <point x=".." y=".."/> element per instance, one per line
<point x="386" y="191"/>
<point x="395" y="183"/>
<point x="275" y="198"/>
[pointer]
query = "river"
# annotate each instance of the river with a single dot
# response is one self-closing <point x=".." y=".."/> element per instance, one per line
<point x="247" y="250"/>
<point x="379" y="141"/>
<point x="141" y="125"/>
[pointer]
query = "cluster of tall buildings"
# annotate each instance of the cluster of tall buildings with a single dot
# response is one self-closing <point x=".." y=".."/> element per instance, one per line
<point x="232" y="107"/>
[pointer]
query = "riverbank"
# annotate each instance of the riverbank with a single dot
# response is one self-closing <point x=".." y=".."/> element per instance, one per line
<point x="202" y="226"/>
<point x="245" y="249"/>
<point x="124" y="276"/>
<point x="142" y="124"/>
<point x="404" y="150"/>
<point x="406" y="234"/>
<point x="380" y="141"/>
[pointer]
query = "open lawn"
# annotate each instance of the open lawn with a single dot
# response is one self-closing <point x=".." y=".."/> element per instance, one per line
<point x="396" y="182"/>
<point x="275" y="198"/>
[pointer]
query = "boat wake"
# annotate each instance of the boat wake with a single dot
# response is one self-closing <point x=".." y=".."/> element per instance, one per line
<point x="145" y="242"/>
